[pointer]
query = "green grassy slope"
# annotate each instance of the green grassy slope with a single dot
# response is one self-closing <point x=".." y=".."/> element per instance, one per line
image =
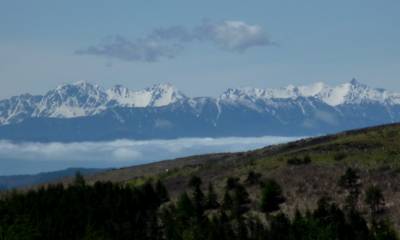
<point x="368" y="149"/>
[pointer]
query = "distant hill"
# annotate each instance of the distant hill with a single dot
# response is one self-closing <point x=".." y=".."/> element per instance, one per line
<point x="307" y="169"/>
<point x="80" y="112"/>
<point x="19" y="181"/>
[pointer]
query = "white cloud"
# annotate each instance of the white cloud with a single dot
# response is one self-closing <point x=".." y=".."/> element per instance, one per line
<point x="169" y="42"/>
<point x="18" y="158"/>
<point x="126" y="154"/>
<point x="235" y="35"/>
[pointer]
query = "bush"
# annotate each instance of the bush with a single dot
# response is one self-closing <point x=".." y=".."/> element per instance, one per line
<point x="253" y="178"/>
<point x="299" y="161"/>
<point x="340" y="156"/>
<point x="374" y="199"/>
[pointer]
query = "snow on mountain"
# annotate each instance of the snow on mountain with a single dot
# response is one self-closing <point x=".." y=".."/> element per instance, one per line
<point x="163" y="112"/>
<point x="352" y="92"/>
<point x="18" y="108"/>
<point x="84" y="99"/>
<point x="156" y="96"/>
<point x="71" y="100"/>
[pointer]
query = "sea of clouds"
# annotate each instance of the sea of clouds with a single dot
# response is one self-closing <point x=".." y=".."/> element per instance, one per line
<point x="28" y="158"/>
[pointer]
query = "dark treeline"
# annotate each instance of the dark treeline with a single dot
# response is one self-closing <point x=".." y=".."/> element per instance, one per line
<point x="115" y="211"/>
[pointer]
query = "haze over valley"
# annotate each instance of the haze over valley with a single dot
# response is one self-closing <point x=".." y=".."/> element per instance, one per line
<point x="31" y="158"/>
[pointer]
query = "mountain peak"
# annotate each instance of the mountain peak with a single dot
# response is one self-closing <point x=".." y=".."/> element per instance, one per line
<point x="163" y="87"/>
<point x="164" y="94"/>
<point x="156" y="96"/>
<point x="118" y="90"/>
<point x="82" y="85"/>
<point x="354" y="81"/>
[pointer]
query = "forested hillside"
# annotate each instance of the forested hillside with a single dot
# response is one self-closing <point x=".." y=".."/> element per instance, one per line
<point x="115" y="211"/>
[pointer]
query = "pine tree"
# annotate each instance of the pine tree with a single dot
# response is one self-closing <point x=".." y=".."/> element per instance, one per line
<point x="79" y="180"/>
<point x="231" y="183"/>
<point x="240" y="199"/>
<point x="374" y="199"/>
<point x="359" y="228"/>
<point x="350" y="182"/>
<point x="184" y="207"/>
<point x="195" y="182"/>
<point x="198" y="196"/>
<point x="280" y="227"/>
<point x="227" y="203"/>
<point x="151" y="196"/>
<point x="161" y="192"/>
<point x="271" y="197"/>
<point x="253" y="178"/>
<point x="212" y="198"/>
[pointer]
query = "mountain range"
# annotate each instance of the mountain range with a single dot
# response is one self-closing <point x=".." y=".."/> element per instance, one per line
<point x="85" y="112"/>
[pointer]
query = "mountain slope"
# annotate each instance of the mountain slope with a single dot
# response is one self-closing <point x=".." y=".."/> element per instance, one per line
<point x="369" y="148"/>
<point x="373" y="152"/>
<point x="80" y="112"/>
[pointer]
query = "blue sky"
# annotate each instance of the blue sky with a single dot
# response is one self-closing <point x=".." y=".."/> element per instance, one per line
<point x="295" y="42"/>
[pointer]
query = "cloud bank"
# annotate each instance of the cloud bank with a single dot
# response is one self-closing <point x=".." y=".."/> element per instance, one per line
<point x="27" y="158"/>
<point x="167" y="43"/>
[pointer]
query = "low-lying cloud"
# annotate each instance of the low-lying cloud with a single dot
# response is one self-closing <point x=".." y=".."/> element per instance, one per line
<point x="167" y="43"/>
<point x="24" y="158"/>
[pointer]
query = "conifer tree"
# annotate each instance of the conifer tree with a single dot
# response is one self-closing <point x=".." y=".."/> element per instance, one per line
<point x="231" y="183"/>
<point x="350" y="182"/>
<point x="198" y="195"/>
<point x="253" y="178"/>
<point x="374" y="199"/>
<point x="79" y="180"/>
<point x="227" y="202"/>
<point x="212" y="198"/>
<point x="184" y="207"/>
<point x="161" y="192"/>
<point x="271" y="197"/>
<point x="240" y="199"/>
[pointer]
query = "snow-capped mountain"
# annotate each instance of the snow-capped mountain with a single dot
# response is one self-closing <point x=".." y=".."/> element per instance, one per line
<point x="74" y="100"/>
<point x="156" y="96"/>
<point x="83" y="99"/>
<point x="352" y="92"/>
<point x="82" y="111"/>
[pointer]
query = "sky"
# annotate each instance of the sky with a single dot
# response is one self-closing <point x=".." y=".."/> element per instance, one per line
<point x="201" y="47"/>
